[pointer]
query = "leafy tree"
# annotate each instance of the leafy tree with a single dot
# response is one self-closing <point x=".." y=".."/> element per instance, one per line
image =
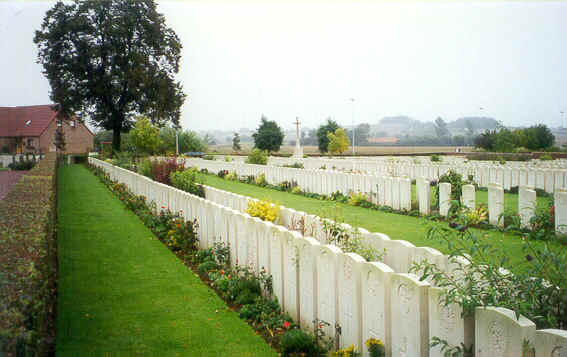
<point x="145" y="136"/>
<point x="188" y="141"/>
<point x="236" y="142"/>
<point x="110" y="61"/>
<point x="538" y="137"/>
<point x="338" y="141"/>
<point x="441" y="128"/>
<point x="269" y="136"/>
<point x="322" y="134"/>
<point x="361" y="134"/>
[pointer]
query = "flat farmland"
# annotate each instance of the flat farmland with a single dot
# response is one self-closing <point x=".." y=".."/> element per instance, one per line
<point x="360" y="150"/>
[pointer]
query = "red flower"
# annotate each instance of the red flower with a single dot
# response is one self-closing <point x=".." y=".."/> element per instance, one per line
<point x="178" y="225"/>
<point x="222" y="272"/>
<point x="286" y="324"/>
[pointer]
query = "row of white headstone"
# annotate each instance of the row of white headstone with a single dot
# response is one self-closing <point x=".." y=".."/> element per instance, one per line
<point x="545" y="175"/>
<point x="366" y="299"/>
<point x="394" y="192"/>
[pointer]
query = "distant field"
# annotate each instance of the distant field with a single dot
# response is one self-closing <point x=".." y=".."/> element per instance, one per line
<point x="362" y="150"/>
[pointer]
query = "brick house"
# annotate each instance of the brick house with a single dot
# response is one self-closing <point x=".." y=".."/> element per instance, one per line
<point x="31" y="129"/>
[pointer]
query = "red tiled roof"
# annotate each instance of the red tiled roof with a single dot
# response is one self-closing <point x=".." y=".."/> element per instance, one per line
<point x="384" y="140"/>
<point x="13" y="120"/>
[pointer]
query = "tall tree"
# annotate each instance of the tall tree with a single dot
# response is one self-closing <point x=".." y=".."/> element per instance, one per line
<point x="145" y="136"/>
<point x="322" y="134"/>
<point x="236" y="142"/>
<point x="110" y="61"/>
<point x="269" y="136"/>
<point x="441" y="128"/>
<point x="338" y="141"/>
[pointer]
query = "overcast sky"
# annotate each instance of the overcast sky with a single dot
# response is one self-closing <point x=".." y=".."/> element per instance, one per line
<point x="421" y="59"/>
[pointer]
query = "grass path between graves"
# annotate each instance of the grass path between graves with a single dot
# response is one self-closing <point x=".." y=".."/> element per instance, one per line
<point x="396" y="226"/>
<point x="120" y="290"/>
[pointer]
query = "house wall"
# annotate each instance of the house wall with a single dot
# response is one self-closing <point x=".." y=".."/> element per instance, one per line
<point x="78" y="139"/>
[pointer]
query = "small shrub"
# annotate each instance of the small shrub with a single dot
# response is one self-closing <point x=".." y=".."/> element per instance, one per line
<point x="188" y="181"/>
<point x="207" y="266"/>
<point x="261" y="180"/>
<point x="295" y="165"/>
<point x="208" y="157"/>
<point x="350" y="351"/>
<point x="298" y="341"/>
<point x="231" y="176"/>
<point x="546" y="157"/>
<point x="357" y="199"/>
<point x="435" y="158"/>
<point x="257" y="157"/>
<point x="375" y="347"/>
<point x="227" y="159"/>
<point x="162" y="170"/>
<point x="22" y="165"/>
<point x="222" y="173"/>
<point x="296" y="190"/>
<point x="265" y="210"/>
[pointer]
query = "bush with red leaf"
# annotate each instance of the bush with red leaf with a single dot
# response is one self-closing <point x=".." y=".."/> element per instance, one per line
<point x="162" y="169"/>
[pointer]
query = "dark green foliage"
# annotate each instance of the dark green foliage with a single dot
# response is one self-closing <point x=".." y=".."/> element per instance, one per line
<point x="323" y="131"/>
<point x="257" y="157"/>
<point x="236" y="142"/>
<point x="189" y="181"/>
<point x="269" y="136"/>
<point x="298" y="341"/>
<point x="111" y="60"/>
<point x="22" y="164"/>
<point x="28" y="265"/>
<point x="537" y="137"/>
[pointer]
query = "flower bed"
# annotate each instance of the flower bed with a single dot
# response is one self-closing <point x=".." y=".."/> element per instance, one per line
<point x="28" y="262"/>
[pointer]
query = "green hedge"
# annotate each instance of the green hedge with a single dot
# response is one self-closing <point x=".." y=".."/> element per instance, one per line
<point x="28" y="216"/>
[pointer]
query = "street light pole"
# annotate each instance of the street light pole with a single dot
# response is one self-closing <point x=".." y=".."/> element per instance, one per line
<point x="176" y="143"/>
<point x="353" y="128"/>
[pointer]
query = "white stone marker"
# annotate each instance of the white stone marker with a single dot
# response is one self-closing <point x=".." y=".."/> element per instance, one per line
<point x="276" y="262"/>
<point x="424" y="190"/>
<point x="495" y="204"/>
<point x="444" y="198"/>
<point x="405" y="194"/>
<point x="388" y="191"/>
<point x="398" y="254"/>
<point x="526" y="205"/>
<point x="499" y="333"/>
<point x="396" y="193"/>
<point x="307" y="248"/>
<point x="561" y="211"/>
<point x="551" y="343"/>
<point x="469" y="197"/>
<point x="446" y="323"/>
<point x="291" y="274"/>
<point x="264" y="246"/>
<point x="327" y="286"/>
<point x="350" y="314"/>
<point x="376" y="284"/>
<point x="410" y="325"/>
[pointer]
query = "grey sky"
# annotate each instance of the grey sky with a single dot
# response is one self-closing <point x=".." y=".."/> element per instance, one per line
<point x="422" y="59"/>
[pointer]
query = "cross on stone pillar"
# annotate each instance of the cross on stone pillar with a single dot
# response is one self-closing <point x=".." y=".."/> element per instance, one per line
<point x="298" y="152"/>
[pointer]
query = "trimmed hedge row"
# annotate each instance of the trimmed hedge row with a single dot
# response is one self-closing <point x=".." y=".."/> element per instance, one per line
<point x="28" y="262"/>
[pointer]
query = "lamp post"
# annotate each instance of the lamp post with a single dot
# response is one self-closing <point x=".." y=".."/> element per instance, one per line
<point x="176" y="142"/>
<point x="353" y="128"/>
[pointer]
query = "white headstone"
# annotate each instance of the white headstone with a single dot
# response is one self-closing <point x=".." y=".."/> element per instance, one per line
<point x="469" y="197"/>
<point x="291" y="274"/>
<point x="376" y="280"/>
<point x="327" y="269"/>
<point x="410" y="325"/>
<point x="495" y="204"/>
<point x="526" y="205"/>
<point x="308" y="250"/>
<point x="560" y="211"/>
<point x="350" y="314"/>
<point x="551" y="343"/>
<point x="444" y="198"/>
<point x="499" y="333"/>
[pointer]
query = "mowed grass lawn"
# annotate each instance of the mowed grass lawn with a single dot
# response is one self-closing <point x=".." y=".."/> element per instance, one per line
<point x="396" y="226"/>
<point x="121" y="291"/>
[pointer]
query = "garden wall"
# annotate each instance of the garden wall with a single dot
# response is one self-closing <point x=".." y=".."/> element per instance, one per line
<point x="28" y="217"/>
<point x="365" y="299"/>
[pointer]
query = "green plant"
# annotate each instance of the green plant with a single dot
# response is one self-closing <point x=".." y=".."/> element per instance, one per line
<point x="231" y="176"/>
<point x="257" y="157"/>
<point x="227" y="159"/>
<point x="189" y="181"/>
<point x="208" y="157"/>
<point x="296" y="190"/>
<point x="295" y="165"/>
<point x="261" y="180"/>
<point x="357" y="199"/>
<point x="350" y="351"/>
<point x="452" y="351"/>
<point x="546" y="157"/>
<point x="537" y="291"/>
<point x="298" y="341"/>
<point x="375" y="347"/>
<point x="435" y="158"/>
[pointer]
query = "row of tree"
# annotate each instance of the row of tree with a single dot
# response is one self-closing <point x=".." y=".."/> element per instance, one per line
<point x="537" y="137"/>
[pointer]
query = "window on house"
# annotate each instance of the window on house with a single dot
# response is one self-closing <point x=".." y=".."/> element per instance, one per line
<point x="30" y="142"/>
